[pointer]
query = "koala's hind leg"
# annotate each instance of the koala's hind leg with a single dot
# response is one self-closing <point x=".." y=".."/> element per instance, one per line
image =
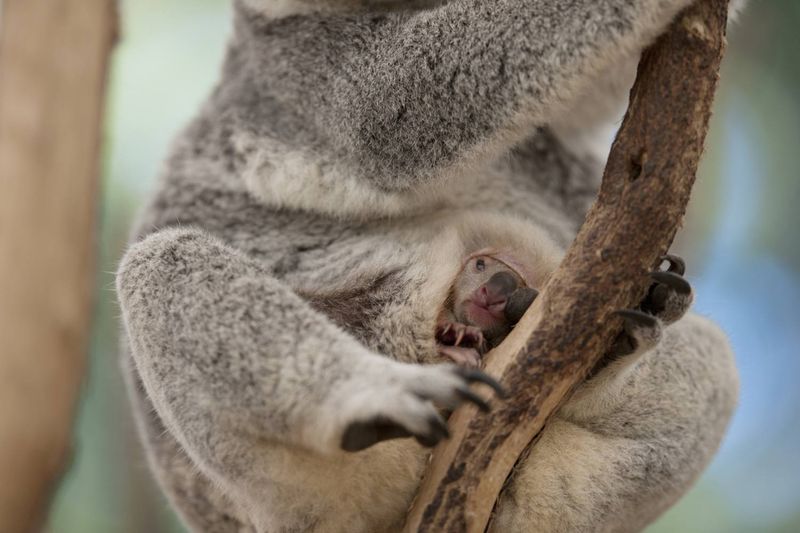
<point x="201" y="505"/>
<point x="613" y="461"/>
<point x="668" y="299"/>
<point x="632" y="439"/>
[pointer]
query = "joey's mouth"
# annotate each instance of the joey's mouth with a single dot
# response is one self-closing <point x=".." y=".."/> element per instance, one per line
<point x="485" y="316"/>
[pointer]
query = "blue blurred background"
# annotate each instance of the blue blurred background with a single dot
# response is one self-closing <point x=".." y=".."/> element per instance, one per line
<point x="740" y="238"/>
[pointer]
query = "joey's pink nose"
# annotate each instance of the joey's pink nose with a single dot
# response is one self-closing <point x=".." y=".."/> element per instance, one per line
<point x="490" y="298"/>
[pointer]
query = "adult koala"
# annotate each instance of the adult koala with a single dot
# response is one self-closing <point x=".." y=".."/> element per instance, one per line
<point x="284" y="281"/>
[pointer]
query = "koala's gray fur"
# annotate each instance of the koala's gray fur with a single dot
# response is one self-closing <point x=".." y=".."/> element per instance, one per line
<point x="284" y="280"/>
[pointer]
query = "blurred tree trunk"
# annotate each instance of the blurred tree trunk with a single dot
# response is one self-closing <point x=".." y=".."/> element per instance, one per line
<point x="53" y="62"/>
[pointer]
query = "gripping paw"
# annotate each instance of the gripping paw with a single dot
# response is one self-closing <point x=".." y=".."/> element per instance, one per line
<point x="401" y="404"/>
<point x="457" y="334"/>
<point x="668" y="299"/>
<point x="462" y="344"/>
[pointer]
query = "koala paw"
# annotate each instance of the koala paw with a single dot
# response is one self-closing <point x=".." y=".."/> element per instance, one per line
<point x="457" y="334"/>
<point x="460" y="343"/>
<point x="399" y="403"/>
<point x="667" y="300"/>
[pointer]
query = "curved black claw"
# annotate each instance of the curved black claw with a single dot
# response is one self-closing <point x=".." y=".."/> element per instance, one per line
<point x="518" y="303"/>
<point x="470" y="396"/>
<point x="438" y="431"/>
<point x="672" y="280"/>
<point x="361" y="435"/>
<point x="476" y="376"/>
<point x="637" y="318"/>
<point x="676" y="264"/>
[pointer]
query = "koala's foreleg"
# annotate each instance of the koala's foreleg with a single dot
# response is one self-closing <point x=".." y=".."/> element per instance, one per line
<point x="231" y="358"/>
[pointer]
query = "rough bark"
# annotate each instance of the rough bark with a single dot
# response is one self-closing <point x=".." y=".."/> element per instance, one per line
<point x="53" y="61"/>
<point x="642" y="200"/>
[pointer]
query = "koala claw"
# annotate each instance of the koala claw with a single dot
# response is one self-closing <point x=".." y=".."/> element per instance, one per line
<point x="670" y="296"/>
<point x="470" y="396"/>
<point x="476" y="376"/>
<point x="457" y="334"/>
<point x="672" y="280"/>
<point x="440" y="432"/>
<point x="676" y="264"/>
<point x="460" y="343"/>
<point x="634" y="318"/>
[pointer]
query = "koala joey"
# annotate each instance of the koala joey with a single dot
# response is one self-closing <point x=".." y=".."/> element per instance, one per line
<point x="488" y="298"/>
<point x="286" y="340"/>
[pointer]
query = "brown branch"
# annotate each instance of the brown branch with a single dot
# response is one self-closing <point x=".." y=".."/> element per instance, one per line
<point x="642" y="201"/>
<point x="53" y="60"/>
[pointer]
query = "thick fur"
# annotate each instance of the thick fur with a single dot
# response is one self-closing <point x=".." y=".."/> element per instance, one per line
<point x="285" y="279"/>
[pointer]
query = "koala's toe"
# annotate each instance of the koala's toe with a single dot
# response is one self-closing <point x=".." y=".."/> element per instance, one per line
<point x="670" y="296"/>
<point x="641" y="332"/>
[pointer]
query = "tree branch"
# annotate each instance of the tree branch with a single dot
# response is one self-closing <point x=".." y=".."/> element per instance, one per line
<point x="642" y="200"/>
<point x="53" y="61"/>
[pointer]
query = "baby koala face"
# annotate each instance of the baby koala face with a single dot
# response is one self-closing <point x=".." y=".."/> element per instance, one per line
<point x="481" y="293"/>
<point x="489" y="296"/>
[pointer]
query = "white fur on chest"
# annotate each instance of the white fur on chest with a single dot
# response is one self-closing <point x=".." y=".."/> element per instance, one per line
<point x="286" y="179"/>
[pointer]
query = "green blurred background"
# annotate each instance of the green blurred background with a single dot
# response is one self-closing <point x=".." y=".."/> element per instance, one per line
<point x="741" y="240"/>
